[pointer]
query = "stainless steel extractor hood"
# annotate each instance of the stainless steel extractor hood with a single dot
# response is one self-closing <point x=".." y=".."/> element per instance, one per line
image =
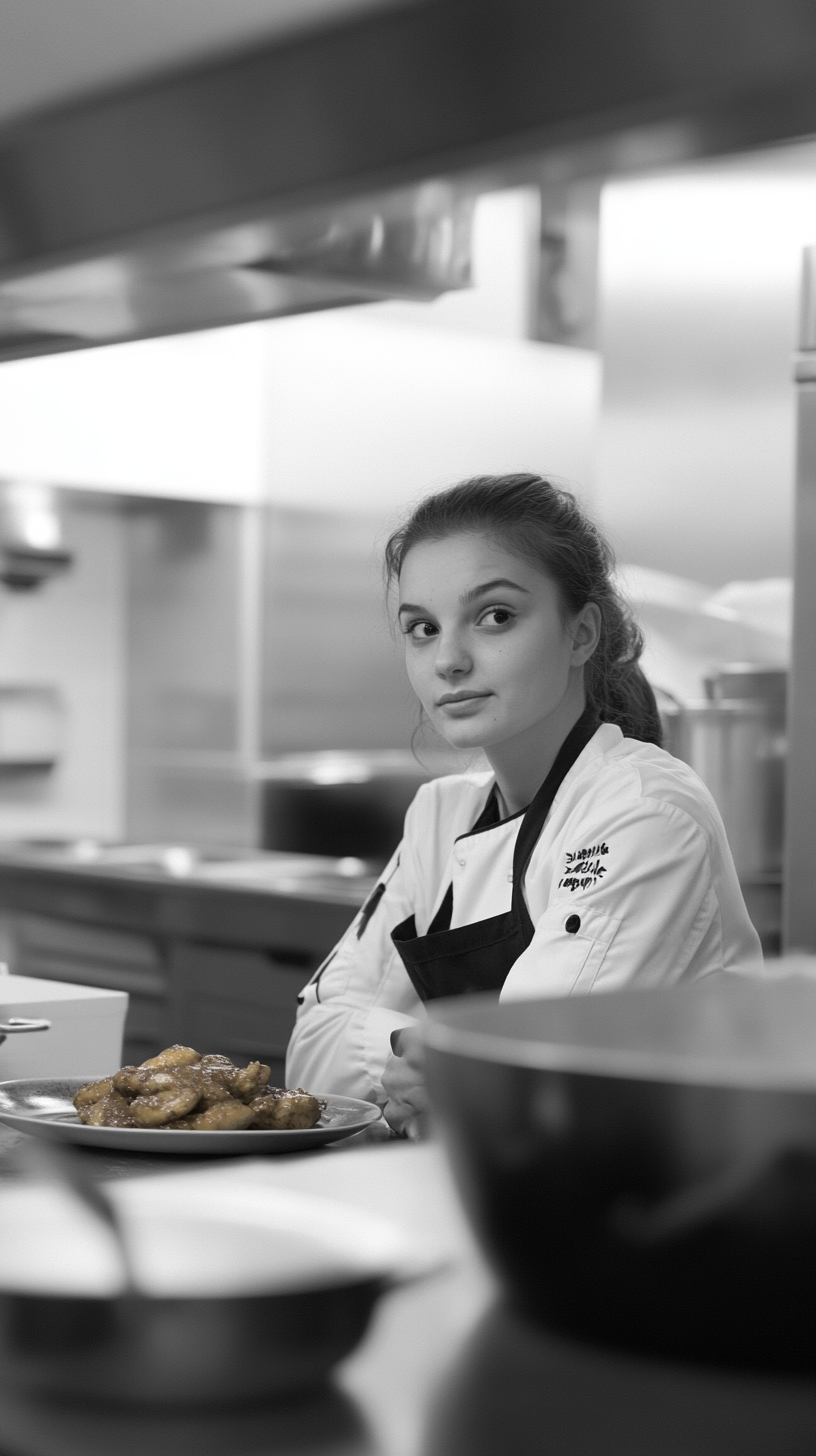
<point x="413" y="243"/>
<point x="203" y="189"/>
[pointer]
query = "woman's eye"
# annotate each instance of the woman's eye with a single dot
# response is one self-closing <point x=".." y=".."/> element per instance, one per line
<point x="496" y="617"/>
<point x="420" y="631"/>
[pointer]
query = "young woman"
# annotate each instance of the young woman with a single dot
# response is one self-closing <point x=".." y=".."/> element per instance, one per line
<point x="587" y="860"/>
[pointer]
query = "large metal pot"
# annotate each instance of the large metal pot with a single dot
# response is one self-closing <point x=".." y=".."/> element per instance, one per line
<point x="736" y="740"/>
<point x="641" y="1167"/>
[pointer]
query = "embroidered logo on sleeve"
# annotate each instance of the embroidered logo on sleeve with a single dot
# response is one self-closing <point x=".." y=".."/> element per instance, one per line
<point x="584" y="867"/>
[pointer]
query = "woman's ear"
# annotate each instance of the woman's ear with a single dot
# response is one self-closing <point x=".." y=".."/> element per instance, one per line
<point x="585" y="631"/>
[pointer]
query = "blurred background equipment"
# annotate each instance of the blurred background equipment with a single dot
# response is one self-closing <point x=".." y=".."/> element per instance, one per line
<point x="800" y="902"/>
<point x="719" y="662"/>
<point x="82" y="1028"/>
<point x="340" y="803"/>
<point x="168" y="224"/>
<point x="737" y="743"/>
<point x="411" y="244"/>
<point x="32" y="728"/>
<point x="31" y="548"/>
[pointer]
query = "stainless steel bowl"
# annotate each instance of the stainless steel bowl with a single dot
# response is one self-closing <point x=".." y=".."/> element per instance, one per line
<point x="181" y="1352"/>
<point x="641" y="1167"/>
<point x="185" y="1291"/>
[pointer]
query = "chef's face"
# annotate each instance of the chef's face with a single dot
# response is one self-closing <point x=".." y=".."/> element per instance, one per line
<point x="489" y="649"/>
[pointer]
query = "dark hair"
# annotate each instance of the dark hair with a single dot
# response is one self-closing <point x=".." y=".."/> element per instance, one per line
<point x="545" y="525"/>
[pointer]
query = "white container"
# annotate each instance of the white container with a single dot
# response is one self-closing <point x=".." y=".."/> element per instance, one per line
<point x="83" y="1040"/>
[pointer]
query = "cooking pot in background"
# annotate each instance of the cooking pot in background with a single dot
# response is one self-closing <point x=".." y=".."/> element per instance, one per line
<point x="736" y="741"/>
<point x="641" y="1167"/>
<point x="340" y="803"/>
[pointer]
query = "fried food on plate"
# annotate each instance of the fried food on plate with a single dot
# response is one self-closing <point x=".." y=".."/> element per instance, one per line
<point x="215" y="1083"/>
<point x="248" y="1081"/>
<point x="94" y="1092"/>
<point x="171" y="1095"/>
<point x="228" y="1116"/>
<point x="112" y="1110"/>
<point x="145" y="1080"/>
<point x="174" y="1056"/>
<point x="284" y="1109"/>
<point x="181" y="1089"/>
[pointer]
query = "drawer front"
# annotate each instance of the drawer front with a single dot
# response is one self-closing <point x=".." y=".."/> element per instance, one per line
<point x="61" y="950"/>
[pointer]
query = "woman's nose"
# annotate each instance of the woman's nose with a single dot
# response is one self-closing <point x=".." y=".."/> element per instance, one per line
<point x="452" y="657"/>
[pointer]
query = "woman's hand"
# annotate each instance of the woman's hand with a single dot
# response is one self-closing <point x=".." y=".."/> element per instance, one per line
<point x="404" y="1084"/>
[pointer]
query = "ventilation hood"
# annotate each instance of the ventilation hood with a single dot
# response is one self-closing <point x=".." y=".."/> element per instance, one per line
<point x="413" y="243"/>
<point x="239" y="161"/>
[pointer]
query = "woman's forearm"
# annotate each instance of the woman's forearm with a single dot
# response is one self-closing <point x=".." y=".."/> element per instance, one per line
<point x="342" y="1049"/>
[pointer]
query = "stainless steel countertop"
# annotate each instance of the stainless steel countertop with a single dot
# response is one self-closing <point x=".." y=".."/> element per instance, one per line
<point x="345" y="881"/>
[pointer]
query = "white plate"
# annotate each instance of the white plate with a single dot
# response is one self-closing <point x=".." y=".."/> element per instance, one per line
<point x="44" y="1106"/>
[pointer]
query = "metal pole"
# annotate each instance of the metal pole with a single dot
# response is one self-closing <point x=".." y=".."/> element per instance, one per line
<point x="799" y="876"/>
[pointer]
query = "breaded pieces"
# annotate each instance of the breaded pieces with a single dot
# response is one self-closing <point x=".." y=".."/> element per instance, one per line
<point x="94" y="1092"/>
<point x="112" y="1110"/>
<point x="215" y="1087"/>
<point x="174" y="1056"/>
<point x="170" y="1095"/>
<point x="228" y="1116"/>
<point x="283" y="1109"/>
<point x="181" y="1089"/>
<point x="248" y="1081"/>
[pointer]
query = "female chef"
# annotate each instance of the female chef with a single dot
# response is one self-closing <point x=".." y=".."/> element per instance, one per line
<point x="586" y="860"/>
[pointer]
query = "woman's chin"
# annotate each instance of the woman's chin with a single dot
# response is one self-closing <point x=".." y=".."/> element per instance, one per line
<point x="462" y="735"/>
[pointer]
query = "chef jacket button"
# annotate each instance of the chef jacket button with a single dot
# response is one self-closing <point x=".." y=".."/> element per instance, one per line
<point x="461" y="863"/>
<point x="572" y="924"/>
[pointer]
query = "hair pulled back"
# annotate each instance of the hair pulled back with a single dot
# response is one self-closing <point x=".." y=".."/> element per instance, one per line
<point x="544" y="525"/>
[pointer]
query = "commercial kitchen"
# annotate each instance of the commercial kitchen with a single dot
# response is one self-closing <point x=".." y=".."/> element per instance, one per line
<point x="254" y="305"/>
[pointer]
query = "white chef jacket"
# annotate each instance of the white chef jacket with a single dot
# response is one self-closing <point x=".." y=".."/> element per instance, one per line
<point x="633" y="846"/>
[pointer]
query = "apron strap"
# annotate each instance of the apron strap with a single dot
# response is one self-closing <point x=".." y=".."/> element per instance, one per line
<point x="533" y="821"/>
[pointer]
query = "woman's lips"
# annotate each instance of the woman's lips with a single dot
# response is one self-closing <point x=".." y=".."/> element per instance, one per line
<point x="461" y="702"/>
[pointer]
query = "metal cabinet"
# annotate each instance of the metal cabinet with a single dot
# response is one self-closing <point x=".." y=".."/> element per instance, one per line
<point x="220" y="971"/>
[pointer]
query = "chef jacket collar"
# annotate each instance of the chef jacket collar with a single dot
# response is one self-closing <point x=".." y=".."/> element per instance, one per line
<point x="490" y="818"/>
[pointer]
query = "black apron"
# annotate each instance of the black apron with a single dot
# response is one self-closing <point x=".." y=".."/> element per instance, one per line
<point x="478" y="957"/>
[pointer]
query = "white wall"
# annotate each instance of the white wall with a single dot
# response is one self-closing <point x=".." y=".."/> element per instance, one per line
<point x="177" y="416"/>
<point x="369" y="416"/>
<point x="699" y="291"/>
<point x="70" y="633"/>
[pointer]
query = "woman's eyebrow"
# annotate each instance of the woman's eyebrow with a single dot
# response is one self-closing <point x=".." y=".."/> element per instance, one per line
<point x="488" y="586"/>
<point x="470" y="596"/>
